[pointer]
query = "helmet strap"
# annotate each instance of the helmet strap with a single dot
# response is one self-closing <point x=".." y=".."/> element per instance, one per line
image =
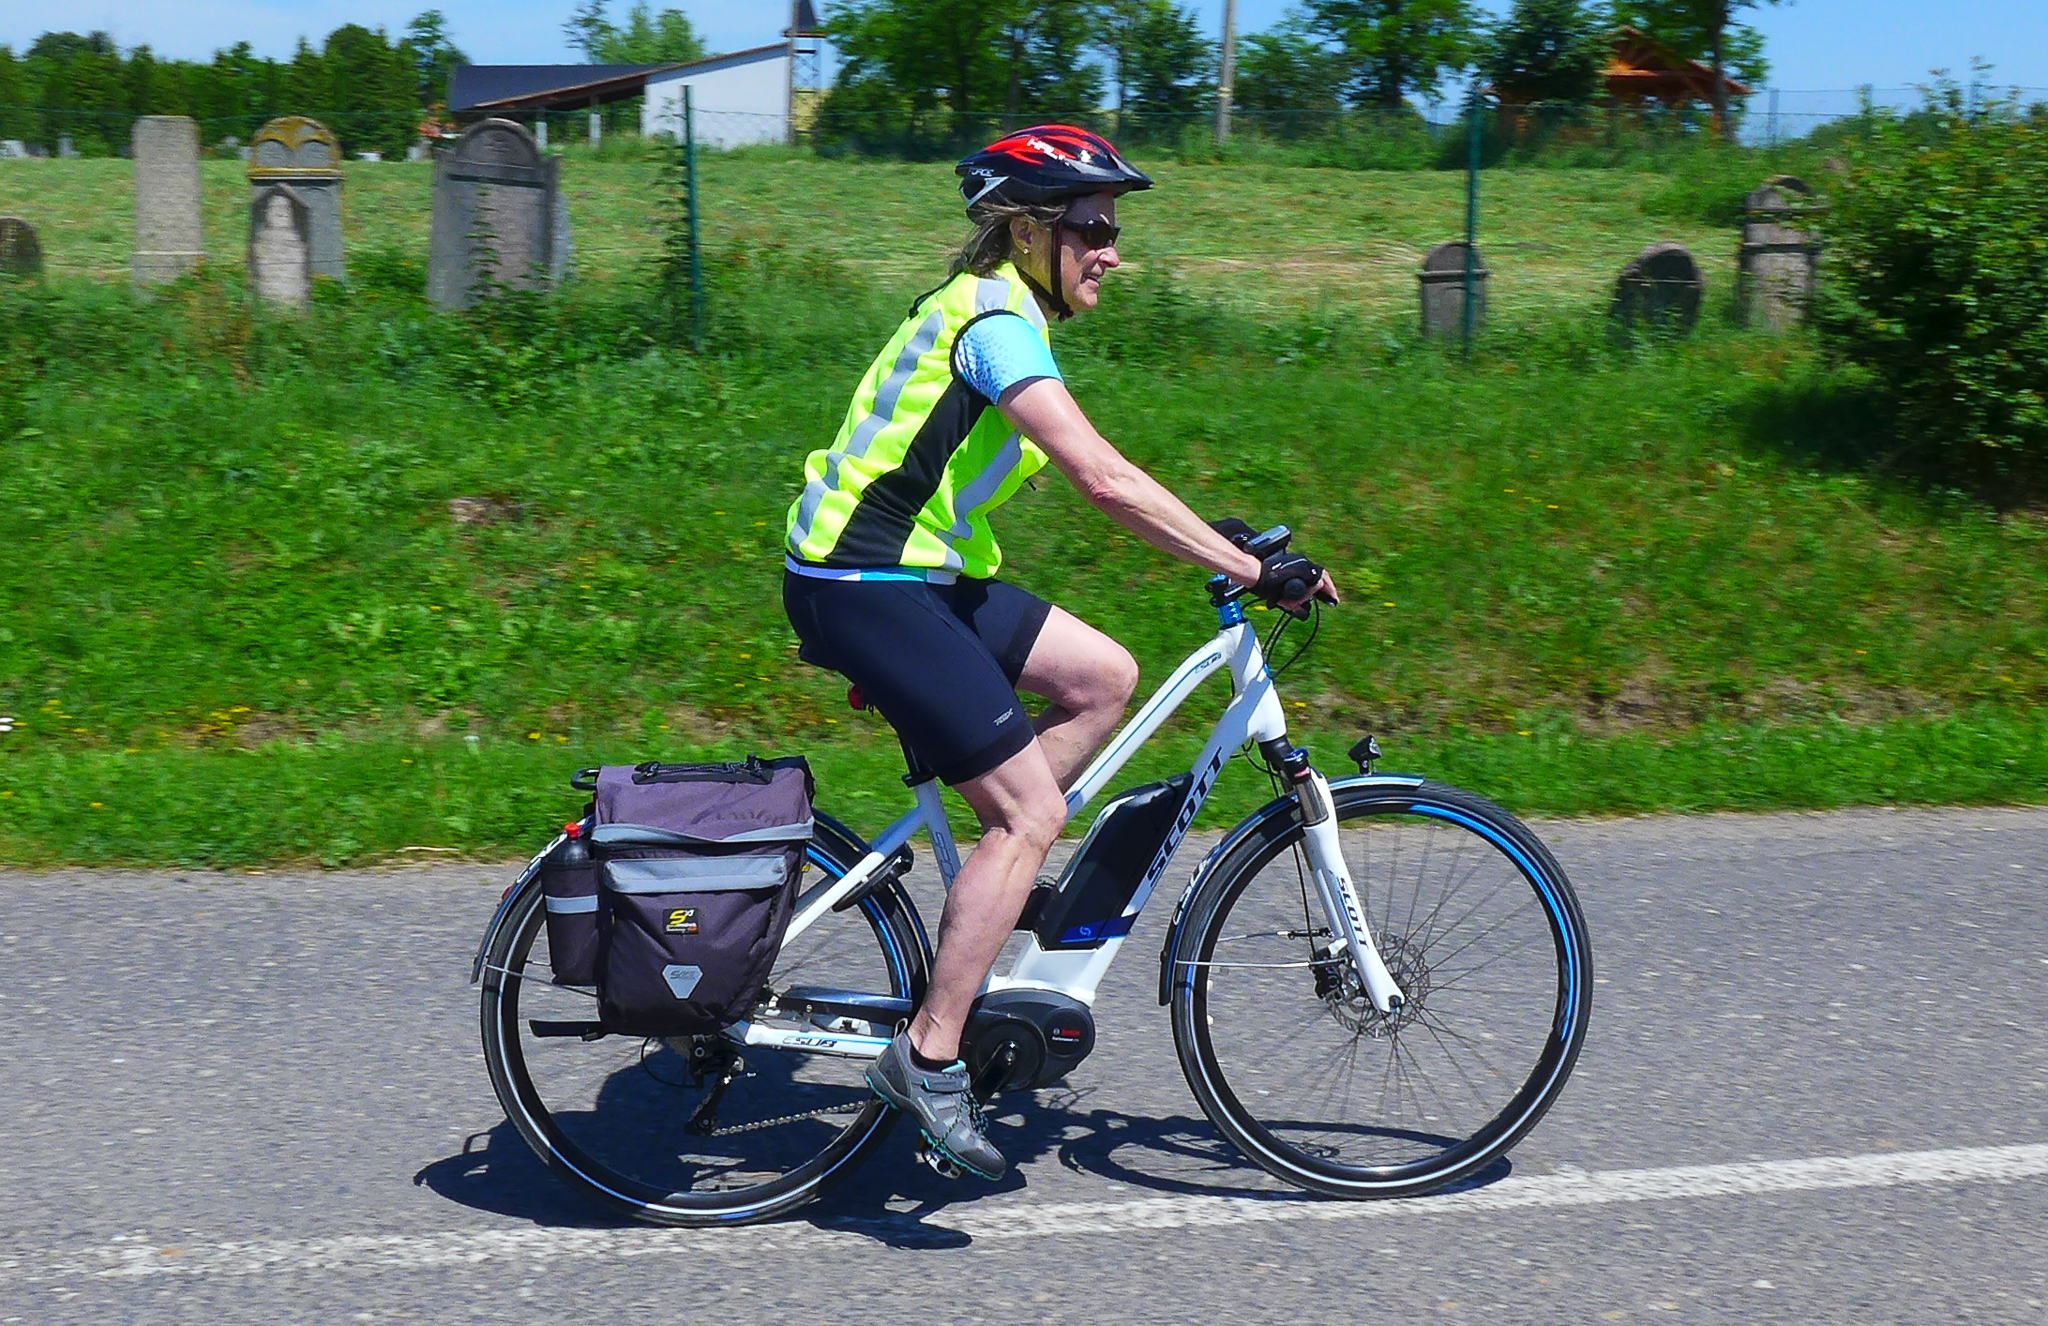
<point x="1054" y="299"/>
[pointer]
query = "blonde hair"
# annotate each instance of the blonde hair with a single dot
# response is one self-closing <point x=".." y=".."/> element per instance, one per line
<point x="990" y="244"/>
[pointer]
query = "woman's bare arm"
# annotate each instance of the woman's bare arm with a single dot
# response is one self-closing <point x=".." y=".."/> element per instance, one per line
<point x="1046" y="412"/>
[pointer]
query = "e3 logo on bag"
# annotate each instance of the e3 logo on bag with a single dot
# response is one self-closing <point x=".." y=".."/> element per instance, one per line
<point x="680" y="921"/>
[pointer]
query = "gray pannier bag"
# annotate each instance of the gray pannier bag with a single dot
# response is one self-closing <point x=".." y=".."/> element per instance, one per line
<point x="700" y="868"/>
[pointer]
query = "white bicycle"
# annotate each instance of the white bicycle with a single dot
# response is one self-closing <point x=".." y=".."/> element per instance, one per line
<point x="1378" y="984"/>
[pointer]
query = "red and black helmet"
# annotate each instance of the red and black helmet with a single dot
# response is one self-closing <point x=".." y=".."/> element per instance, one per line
<point x="1046" y="164"/>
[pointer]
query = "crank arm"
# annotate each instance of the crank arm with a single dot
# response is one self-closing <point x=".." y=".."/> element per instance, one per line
<point x="1340" y="898"/>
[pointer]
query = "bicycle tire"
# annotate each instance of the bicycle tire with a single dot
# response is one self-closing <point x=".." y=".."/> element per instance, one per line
<point x="579" y="1150"/>
<point x="1415" y="1137"/>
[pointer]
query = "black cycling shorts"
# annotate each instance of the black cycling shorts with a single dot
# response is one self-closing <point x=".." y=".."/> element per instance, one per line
<point x="940" y="662"/>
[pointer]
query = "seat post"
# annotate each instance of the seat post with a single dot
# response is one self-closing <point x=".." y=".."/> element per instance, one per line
<point x="919" y="773"/>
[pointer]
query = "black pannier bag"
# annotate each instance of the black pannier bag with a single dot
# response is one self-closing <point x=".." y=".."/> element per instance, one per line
<point x="699" y="875"/>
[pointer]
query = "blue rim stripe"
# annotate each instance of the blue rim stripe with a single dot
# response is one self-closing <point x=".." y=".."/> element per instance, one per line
<point x="1571" y="966"/>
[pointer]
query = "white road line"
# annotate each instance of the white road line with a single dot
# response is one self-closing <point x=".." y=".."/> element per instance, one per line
<point x="141" y="1257"/>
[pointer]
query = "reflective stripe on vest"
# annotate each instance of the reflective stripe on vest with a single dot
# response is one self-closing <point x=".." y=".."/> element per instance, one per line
<point x="922" y="457"/>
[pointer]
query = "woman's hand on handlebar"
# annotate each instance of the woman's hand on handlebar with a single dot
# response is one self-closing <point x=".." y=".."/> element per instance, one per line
<point x="1325" y="592"/>
<point x="1289" y="580"/>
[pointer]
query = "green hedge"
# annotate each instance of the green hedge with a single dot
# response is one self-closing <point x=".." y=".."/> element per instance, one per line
<point x="1938" y="267"/>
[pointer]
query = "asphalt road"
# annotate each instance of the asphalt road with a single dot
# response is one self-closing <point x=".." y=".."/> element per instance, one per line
<point x="1816" y="1090"/>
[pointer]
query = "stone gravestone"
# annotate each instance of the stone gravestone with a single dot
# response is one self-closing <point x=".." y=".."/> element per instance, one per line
<point x="1443" y="290"/>
<point x="65" y="149"/>
<point x="13" y="149"/>
<point x="21" y="254"/>
<point x="167" y="235"/>
<point x="304" y="157"/>
<point x="1778" y="260"/>
<point x="1661" y="290"/>
<point x="281" y="246"/>
<point x="499" y="216"/>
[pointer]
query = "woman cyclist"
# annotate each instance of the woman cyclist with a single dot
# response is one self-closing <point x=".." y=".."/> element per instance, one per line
<point x="891" y="566"/>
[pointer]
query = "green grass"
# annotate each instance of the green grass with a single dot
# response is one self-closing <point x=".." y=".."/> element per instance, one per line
<point x="1580" y="578"/>
<point x="1260" y="238"/>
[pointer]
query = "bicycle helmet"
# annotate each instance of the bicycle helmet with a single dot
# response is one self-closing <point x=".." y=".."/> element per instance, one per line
<point x="1048" y="163"/>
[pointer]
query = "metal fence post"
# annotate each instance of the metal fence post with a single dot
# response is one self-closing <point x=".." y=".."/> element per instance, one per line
<point x="1226" y="90"/>
<point x="1471" y="216"/>
<point x="690" y="188"/>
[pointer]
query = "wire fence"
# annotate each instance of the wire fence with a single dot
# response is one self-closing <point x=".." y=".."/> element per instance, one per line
<point x="1406" y="137"/>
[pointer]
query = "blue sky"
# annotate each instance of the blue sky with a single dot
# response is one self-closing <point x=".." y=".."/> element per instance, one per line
<point x="1817" y="44"/>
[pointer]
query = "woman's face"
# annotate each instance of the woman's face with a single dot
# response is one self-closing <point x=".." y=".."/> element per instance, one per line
<point x="1082" y="263"/>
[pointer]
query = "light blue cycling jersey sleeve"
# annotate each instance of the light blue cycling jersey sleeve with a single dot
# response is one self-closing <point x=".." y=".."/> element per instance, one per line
<point x="997" y="352"/>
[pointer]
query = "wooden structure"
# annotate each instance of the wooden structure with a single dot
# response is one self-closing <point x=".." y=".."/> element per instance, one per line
<point x="1641" y="71"/>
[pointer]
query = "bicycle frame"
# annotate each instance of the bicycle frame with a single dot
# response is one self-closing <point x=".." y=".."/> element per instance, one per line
<point x="1254" y="714"/>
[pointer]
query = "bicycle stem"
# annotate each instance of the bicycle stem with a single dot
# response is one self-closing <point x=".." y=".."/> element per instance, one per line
<point x="1340" y="898"/>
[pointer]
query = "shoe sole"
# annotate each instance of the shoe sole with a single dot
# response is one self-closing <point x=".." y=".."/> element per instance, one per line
<point x="889" y="1098"/>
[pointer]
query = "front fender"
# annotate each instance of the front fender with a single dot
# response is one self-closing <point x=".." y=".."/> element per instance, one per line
<point x="1251" y="824"/>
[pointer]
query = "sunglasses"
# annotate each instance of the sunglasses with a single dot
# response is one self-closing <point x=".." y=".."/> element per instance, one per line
<point x="1097" y="234"/>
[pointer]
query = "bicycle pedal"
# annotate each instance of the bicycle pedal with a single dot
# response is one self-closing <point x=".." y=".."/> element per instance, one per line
<point x="932" y="1156"/>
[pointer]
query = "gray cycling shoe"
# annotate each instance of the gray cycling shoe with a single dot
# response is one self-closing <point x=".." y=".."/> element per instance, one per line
<point x="941" y="1104"/>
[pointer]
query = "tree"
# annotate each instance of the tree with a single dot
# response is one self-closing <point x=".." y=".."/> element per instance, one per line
<point x="588" y="29"/>
<point x="1704" y="29"/>
<point x="1044" y="69"/>
<point x="78" y="82"/>
<point x="1547" y="50"/>
<point x="368" y="86"/>
<point x="926" y="52"/>
<point x="14" y="116"/>
<point x="1389" y="48"/>
<point x="663" y="38"/>
<point x="434" y="57"/>
<point x="1159" y="61"/>
<point x="1286" y="70"/>
<point x="647" y="38"/>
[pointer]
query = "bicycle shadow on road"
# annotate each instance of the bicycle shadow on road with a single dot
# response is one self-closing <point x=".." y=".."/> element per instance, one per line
<point x="503" y="1176"/>
<point x="897" y="1197"/>
<point x="896" y="1200"/>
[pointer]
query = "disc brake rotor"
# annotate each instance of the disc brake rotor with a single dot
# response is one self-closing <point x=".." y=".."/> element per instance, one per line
<point x="1343" y="993"/>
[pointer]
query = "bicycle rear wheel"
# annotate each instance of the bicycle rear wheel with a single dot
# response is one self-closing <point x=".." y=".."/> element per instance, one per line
<point x="634" y="1123"/>
<point x="1481" y="930"/>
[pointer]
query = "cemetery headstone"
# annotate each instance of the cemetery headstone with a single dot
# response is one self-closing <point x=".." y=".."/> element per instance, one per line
<point x="1661" y="291"/>
<point x="167" y="235"/>
<point x="65" y="148"/>
<point x="1443" y="290"/>
<point x="303" y="156"/>
<point x="21" y="253"/>
<point x="499" y="216"/>
<point x="281" y="246"/>
<point x="1778" y="260"/>
<point x="13" y="149"/>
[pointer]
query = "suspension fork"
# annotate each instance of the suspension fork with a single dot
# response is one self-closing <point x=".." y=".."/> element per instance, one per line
<point x="1339" y="897"/>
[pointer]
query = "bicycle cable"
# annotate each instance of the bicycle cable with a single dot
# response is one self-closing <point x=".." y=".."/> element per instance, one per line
<point x="1315" y="626"/>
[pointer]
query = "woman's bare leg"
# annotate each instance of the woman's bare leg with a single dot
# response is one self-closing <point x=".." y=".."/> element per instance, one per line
<point x="1087" y="679"/>
<point x="1021" y="812"/>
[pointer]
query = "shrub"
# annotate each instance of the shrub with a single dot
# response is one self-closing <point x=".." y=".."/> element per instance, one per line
<point x="1937" y="270"/>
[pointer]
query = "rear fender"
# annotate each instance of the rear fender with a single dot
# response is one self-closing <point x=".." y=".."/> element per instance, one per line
<point x="476" y="969"/>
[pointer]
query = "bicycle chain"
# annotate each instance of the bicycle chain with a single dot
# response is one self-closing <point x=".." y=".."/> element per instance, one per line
<point x="760" y="1124"/>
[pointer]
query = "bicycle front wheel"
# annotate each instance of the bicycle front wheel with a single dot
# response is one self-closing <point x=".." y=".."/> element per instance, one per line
<point x="694" y="1130"/>
<point x="1288" y="1056"/>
